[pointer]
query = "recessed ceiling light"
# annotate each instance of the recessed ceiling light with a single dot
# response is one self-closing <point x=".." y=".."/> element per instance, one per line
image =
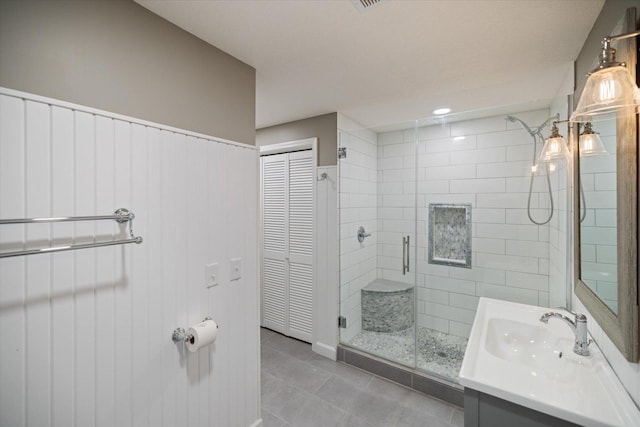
<point x="441" y="111"/>
<point x="459" y="138"/>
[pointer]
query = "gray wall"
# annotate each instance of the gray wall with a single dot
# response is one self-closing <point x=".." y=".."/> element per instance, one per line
<point x="117" y="56"/>
<point x="324" y="127"/>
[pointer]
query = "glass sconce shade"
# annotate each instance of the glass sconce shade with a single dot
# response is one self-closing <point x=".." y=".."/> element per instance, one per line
<point x="606" y="91"/>
<point x="590" y="143"/>
<point x="554" y="148"/>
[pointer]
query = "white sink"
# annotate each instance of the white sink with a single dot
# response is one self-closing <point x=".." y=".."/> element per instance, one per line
<point x="535" y="347"/>
<point x="514" y="356"/>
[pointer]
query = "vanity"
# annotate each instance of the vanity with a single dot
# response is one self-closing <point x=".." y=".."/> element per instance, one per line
<point x="519" y="371"/>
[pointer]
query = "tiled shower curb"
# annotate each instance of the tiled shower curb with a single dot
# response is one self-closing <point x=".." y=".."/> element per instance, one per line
<point x="450" y="393"/>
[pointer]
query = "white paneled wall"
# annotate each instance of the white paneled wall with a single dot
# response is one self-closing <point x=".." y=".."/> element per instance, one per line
<point x="86" y="335"/>
<point x="357" y="207"/>
<point x="489" y="169"/>
<point x="327" y="261"/>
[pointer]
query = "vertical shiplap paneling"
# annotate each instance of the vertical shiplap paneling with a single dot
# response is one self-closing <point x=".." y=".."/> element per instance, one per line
<point x="105" y="356"/>
<point x="203" y="358"/>
<point x="123" y="319"/>
<point x="167" y="267"/>
<point x="12" y="270"/>
<point x="85" y="271"/>
<point x="181" y="275"/>
<point x="154" y="241"/>
<point x="140" y="377"/>
<point x="105" y="283"/>
<point x="213" y="172"/>
<point x="235" y="328"/>
<point x="38" y="268"/>
<point x="63" y="338"/>
<point x="219" y="166"/>
<point x="250" y="286"/>
<point x="195" y="200"/>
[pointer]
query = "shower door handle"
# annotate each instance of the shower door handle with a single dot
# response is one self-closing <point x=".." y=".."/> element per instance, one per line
<point x="405" y="254"/>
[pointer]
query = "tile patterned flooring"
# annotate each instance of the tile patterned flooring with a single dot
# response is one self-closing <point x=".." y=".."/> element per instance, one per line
<point x="303" y="389"/>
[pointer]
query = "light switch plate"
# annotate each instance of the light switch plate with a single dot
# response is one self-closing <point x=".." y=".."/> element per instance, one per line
<point x="235" y="269"/>
<point x="211" y="275"/>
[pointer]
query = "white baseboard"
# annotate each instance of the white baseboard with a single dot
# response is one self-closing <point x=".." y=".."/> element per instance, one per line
<point x="325" y="350"/>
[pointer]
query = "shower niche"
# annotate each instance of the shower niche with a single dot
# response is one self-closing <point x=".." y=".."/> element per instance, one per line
<point x="450" y="234"/>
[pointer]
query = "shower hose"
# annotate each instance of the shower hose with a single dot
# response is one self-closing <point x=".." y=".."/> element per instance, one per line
<point x="536" y="134"/>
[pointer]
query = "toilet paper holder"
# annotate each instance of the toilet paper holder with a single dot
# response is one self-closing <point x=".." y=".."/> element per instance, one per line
<point x="181" y="335"/>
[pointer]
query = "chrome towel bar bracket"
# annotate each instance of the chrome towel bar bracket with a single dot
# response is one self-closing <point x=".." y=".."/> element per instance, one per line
<point x="121" y="215"/>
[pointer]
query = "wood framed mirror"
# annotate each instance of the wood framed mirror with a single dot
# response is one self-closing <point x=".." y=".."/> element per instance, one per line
<point x="606" y="221"/>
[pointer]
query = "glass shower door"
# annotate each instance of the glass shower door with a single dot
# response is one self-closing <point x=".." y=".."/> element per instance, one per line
<point x="444" y="247"/>
<point x="461" y="189"/>
<point x="377" y="242"/>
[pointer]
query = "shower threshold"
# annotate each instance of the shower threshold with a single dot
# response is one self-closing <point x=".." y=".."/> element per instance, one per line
<point x="387" y="354"/>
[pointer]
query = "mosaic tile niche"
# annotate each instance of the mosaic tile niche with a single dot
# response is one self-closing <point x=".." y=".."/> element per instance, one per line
<point x="450" y="234"/>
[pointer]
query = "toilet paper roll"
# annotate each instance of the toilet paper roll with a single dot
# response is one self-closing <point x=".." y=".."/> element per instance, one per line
<point x="201" y="334"/>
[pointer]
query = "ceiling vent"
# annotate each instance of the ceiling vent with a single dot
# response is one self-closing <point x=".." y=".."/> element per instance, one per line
<point x="362" y="5"/>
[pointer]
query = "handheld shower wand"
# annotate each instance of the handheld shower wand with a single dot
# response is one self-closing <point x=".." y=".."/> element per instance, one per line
<point x="535" y="134"/>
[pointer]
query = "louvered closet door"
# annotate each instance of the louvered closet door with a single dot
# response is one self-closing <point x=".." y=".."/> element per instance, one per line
<point x="274" y="242"/>
<point x="287" y="273"/>
<point x="300" y="245"/>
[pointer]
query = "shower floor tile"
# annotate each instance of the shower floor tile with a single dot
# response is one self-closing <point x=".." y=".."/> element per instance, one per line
<point x="438" y="353"/>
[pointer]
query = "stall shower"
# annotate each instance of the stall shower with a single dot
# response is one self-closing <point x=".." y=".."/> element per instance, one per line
<point x="447" y="204"/>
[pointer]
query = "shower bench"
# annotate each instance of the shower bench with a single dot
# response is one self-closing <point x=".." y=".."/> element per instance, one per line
<point x="387" y="306"/>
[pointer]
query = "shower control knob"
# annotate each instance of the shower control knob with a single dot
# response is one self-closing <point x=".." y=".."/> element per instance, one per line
<point x="362" y="234"/>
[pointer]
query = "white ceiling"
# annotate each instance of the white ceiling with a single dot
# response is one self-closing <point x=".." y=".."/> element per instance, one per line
<point x="395" y="61"/>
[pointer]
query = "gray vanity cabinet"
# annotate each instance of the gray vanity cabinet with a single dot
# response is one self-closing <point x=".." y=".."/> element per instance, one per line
<point x="484" y="410"/>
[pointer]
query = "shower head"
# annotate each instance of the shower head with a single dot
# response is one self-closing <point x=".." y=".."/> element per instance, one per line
<point x="535" y="134"/>
<point x="523" y="124"/>
<point x="535" y="131"/>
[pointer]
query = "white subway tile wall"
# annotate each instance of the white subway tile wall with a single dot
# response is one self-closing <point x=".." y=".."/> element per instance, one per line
<point x="489" y="169"/>
<point x="359" y="193"/>
<point x="513" y="259"/>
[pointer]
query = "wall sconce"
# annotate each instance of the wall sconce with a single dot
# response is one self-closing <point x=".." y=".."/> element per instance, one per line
<point x="554" y="148"/>
<point x="590" y="143"/>
<point x="609" y="87"/>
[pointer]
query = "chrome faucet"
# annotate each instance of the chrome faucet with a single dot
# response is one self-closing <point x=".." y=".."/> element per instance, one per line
<point x="578" y="326"/>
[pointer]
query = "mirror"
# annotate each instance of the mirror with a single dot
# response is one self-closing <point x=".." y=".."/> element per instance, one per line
<point x="597" y="208"/>
<point x="606" y="217"/>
